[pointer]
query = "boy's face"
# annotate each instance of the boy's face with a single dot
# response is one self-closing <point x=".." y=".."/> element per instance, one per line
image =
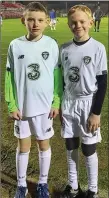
<point x="35" y="22"/>
<point x="80" y="23"/>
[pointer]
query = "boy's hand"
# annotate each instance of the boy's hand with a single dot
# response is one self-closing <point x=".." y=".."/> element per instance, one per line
<point x="16" y="115"/>
<point x="93" y="122"/>
<point x="53" y="113"/>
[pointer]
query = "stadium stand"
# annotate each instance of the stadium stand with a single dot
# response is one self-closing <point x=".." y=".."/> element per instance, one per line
<point x="11" y="10"/>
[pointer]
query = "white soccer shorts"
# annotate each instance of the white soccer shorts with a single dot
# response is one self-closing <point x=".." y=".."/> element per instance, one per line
<point x="75" y="114"/>
<point x="40" y="126"/>
<point x="53" y="21"/>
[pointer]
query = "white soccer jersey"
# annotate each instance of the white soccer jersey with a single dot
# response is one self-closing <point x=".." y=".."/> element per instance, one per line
<point x="81" y="64"/>
<point x="33" y="64"/>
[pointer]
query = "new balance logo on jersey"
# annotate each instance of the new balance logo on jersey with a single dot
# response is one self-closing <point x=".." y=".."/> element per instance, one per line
<point x="87" y="60"/>
<point x="21" y="57"/>
<point x="45" y="55"/>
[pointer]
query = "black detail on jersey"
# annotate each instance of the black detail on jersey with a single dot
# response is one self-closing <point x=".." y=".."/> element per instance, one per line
<point x="21" y="57"/>
<point x="48" y="130"/>
<point x="17" y="129"/>
<point x="34" y="74"/>
<point x="63" y="124"/>
<point x="73" y="74"/>
<point x="45" y="55"/>
<point x="80" y="43"/>
<point x="66" y="58"/>
<point x="87" y="60"/>
<point x="104" y="72"/>
<point x="8" y="69"/>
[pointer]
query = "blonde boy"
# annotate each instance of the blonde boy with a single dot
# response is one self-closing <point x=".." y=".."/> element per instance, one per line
<point x="85" y="76"/>
<point x="32" y="94"/>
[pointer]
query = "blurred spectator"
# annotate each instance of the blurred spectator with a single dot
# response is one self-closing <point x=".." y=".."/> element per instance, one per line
<point x="98" y="14"/>
<point x="53" y="19"/>
<point x="1" y="20"/>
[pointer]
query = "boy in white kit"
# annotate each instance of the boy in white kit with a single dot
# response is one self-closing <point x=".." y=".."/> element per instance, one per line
<point x="84" y="65"/>
<point x="33" y="95"/>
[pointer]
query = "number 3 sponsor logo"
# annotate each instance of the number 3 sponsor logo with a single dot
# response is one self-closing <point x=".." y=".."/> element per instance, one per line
<point x="34" y="74"/>
<point x="74" y="74"/>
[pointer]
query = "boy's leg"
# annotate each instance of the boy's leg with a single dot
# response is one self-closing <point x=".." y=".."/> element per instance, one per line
<point x="22" y="156"/>
<point x="44" y="160"/>
<point x="22" y="132"/>
<point x="41" y="127"/>
<point x="69" y="131"/>
<point x="91" y="158"/>
<point x="54" y="25"/>
<point x="51" y="25"/>
<point x="98" y="26"/>
<point x="95" y="24"/>
<point x="71" y="134"/>
<point x="72" y="145"/>
<point x="89" y="141"/>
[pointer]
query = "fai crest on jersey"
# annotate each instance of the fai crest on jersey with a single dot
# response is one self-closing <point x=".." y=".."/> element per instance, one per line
<point x="45" y="55"/>
<point x="87" y="60"/>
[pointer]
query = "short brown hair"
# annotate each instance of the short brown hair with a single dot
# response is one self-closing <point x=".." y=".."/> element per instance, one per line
<point x="35" y="6"/>
<point x="81" y="8"/>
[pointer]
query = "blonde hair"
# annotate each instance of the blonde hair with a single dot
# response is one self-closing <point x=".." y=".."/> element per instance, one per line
<point x="80" y="8"/>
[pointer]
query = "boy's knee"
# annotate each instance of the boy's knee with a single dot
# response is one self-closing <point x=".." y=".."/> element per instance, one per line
<point x="88" y="149"/>
<point x="43" y="145"/>
<point x="22" y="151"/>
<point x="72" y="143"/>
<point x="24" y="145"/>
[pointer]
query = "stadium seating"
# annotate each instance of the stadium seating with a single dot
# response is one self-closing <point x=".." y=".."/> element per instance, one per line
<point x="11" y="10"/>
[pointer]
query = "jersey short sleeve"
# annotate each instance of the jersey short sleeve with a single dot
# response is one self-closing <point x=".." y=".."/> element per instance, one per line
<point x="101" y="59"/>
<point x="56" y="53"/>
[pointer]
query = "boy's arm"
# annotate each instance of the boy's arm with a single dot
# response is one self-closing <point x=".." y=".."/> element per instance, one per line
<point x="9" y="83"/>
<point x="101" y="76"/>
<point x="100" y="94"/>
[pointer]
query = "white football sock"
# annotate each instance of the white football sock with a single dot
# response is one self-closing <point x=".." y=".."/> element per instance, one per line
<point x="92" y="172"/>
<point x="72" y="160"/>
<point x="21" y="167"/>
<point x="44" y="165"/>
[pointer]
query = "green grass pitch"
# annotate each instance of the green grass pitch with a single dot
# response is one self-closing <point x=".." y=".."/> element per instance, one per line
<point x="12" y="28"/>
